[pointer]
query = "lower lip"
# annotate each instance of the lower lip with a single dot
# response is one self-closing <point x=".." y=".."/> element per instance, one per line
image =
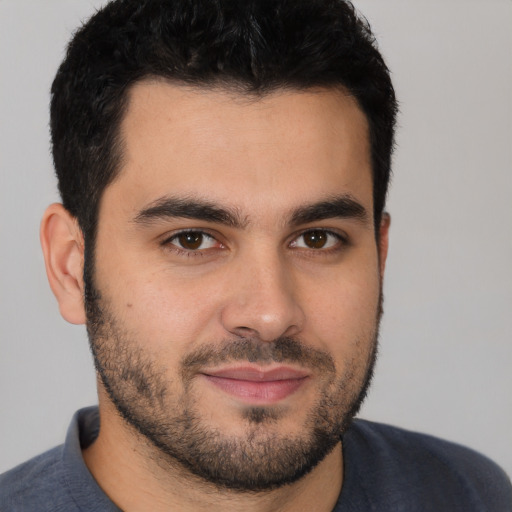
<point x="257" y="391"/>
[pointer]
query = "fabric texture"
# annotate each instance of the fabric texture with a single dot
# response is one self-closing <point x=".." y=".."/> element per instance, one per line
<point x="386" y="469"/>
<point x="58" y="480"/>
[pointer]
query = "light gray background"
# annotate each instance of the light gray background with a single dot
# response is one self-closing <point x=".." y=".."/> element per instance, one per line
<point x="446" y="351"/>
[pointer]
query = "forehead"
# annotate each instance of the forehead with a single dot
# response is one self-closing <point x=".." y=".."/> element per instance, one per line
<point x="281" y="149"/>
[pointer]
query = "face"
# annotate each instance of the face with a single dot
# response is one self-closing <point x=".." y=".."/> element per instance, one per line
<point x="237" y="279"/>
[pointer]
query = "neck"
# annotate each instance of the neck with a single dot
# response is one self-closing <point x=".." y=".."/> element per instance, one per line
<point x="129" y="470"/>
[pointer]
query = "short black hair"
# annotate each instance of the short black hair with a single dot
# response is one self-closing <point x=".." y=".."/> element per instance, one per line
<point x="252" y="46"/>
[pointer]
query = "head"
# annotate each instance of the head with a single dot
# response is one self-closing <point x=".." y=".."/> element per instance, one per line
<point x="253" y="48"/>
<point x="227" y="165"/>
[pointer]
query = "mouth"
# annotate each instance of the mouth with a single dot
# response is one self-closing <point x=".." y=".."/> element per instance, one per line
<point x="258" y="386"/>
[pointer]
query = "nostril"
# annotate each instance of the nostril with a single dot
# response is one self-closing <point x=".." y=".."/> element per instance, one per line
<point x="263" y="306"/>
<point x="245" y="332"/>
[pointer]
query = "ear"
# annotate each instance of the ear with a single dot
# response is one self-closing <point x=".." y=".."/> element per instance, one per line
<point x="63" y="248"/>
<point x="383" y="242"/>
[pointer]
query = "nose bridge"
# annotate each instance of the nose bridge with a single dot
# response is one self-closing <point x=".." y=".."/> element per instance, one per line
<point x="263" y="302"/>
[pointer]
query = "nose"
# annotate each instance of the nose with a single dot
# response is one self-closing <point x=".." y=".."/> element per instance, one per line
<point x="263" y="302"/>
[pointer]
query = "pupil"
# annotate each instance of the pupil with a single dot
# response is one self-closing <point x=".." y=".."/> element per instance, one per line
<point x="190" y="240"/>
<point x="315" y="239"/>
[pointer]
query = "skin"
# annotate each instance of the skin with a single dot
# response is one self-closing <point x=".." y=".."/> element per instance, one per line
<point x="262" y="159"/>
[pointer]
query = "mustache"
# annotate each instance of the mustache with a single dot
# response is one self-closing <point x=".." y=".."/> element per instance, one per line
<point x="253" y="350"/>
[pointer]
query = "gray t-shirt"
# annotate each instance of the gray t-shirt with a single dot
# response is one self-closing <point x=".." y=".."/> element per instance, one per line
<point x="386" y="470"/>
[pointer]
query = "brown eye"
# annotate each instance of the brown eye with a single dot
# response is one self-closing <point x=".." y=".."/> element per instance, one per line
<point x="197" y="243"/>
<point x="318" y="239"/>
<point x="190" y="240"/>
<point x="315" y="239"/>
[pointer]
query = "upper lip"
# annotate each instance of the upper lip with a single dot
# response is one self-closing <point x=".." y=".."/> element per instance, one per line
<point x="258" y="374"/>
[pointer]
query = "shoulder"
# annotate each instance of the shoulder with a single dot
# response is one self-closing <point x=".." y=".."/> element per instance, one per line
<point x="35" y="483"/>
<point x="406" y="465"/>
<point x="57" y="480"/>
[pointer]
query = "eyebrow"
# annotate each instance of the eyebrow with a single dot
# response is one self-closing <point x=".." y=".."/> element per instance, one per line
<point x="341" y="207"/>
<point x="165" y="208"/>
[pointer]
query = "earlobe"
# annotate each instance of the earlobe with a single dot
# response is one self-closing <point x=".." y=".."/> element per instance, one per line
<point x="63" y="248"/>
<point x="383" y="241"/>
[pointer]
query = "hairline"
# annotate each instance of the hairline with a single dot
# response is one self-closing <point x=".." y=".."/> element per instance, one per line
<point x="234" y="90"/>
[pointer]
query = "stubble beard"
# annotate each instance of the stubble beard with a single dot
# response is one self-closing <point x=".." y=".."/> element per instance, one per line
<point x="263" y="458"/>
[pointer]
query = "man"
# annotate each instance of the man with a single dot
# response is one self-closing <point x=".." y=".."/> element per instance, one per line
<point x="223" y="168"/>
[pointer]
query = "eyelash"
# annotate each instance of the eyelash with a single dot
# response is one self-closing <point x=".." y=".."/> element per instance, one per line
<point x="181" y="251"/>
<point x="342" y="241"/>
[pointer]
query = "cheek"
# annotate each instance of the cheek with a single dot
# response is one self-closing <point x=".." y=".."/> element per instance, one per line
<point x="343" y="312"/>
<point x="163" y="311"/>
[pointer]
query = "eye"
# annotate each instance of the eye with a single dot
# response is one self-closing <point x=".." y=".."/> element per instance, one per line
<point x="192" y="241"/>
<point x="317" y="239"/>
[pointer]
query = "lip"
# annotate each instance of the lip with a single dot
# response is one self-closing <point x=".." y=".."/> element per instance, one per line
<point x="256" y="385"/>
